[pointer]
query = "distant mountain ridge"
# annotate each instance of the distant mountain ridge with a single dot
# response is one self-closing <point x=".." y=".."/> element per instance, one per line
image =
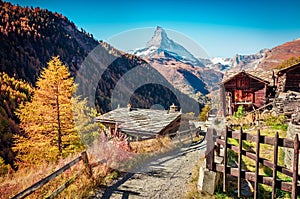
<point x="266" y="59"/>
<point x="237" y="62"/>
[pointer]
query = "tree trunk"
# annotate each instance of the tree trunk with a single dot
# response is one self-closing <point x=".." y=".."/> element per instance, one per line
<point x="58" y="125"/>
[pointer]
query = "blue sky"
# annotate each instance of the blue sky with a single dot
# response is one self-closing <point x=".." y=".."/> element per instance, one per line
<point x="223" y="28"/>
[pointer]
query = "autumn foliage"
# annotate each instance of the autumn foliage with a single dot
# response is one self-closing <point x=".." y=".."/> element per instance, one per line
<point x="12" y="93"/>
<point x="289" y="62"/>
<point x="48" y="119"/>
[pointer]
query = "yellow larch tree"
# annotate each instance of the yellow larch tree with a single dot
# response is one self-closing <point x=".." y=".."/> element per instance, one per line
<point x="47" y="121"/>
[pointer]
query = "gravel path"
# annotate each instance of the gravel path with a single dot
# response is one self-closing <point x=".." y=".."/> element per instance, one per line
<point x="166" y="176"/>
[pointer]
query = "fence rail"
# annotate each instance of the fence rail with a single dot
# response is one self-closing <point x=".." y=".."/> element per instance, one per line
<point x="214" y="142"/>
<point x="88" y="167"/>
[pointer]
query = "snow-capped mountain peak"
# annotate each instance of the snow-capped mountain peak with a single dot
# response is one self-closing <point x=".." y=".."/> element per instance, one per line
<point x="159" y="39"/>
<point x="160" y="42"/>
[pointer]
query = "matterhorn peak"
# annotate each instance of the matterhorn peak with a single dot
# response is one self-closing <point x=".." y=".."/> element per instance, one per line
<point x="159" y="38"/>
<point x="160" y="42"/>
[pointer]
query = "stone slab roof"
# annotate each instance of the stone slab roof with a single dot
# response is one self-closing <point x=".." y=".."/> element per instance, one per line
<point x="262" y="75"/>
<point x="147" y="122"/>
<point x="284" y="70"/>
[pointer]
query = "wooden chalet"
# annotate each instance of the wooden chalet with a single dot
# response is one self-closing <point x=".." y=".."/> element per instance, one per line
<point x="288" y="79"/>
<point x="250" y="89"/>
<point x="139" y="124"/>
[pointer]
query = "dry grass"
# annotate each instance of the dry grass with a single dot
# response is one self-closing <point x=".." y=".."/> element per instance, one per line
<point x="13" y="183"/>
<point x="192" y="189"/>
<point x="197" y="138"/>
<point x="114" y="150"/>
<point x="247" y="120"/>
<point x="151" y="145"/>
<point x="82" y="187"/>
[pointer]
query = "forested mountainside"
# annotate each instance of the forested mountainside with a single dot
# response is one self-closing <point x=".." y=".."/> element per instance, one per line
<point x="12" y="93"/>
<point x="278" y="54"/>
<point x="29" y="37"/>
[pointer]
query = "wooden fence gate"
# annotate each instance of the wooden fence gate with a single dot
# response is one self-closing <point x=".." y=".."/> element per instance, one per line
<point x="215" y="141"/>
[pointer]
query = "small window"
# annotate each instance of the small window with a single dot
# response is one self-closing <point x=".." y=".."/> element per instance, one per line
<point x="243" y="82"/>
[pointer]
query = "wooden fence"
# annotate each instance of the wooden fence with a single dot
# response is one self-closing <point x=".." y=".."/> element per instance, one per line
<point x="214" y="142"/>
<point x="88" y="168"/>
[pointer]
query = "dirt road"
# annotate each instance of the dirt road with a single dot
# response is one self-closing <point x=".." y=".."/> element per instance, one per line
<point x="165" y="176"/>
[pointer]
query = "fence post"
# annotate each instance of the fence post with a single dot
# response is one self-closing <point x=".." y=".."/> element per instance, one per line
<point x="257" y="165"/>
<point x="275" y="165"/>
<point x="295" y="167"/>
<point x="210" y="150"/>
<point x="87" y="164"/>
<point x="218" y="147"/>
<point x="240" y="163"/>
<point x="225" y="159"/>
<point x="191" y="135"/>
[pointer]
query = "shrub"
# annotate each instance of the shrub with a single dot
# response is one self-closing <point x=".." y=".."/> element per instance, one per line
<point x="240" y="112"/>
<point x="3" y="167"/>
<point x="204" y="113"/>
<point x="276" y="122"/>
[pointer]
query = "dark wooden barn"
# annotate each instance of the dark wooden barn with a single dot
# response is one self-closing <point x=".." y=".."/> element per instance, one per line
<point x="288" y="79"/>
<point x="246" y="89"/>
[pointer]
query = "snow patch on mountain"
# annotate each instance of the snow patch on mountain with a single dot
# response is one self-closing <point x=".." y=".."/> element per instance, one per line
<point x="219" y="60"/>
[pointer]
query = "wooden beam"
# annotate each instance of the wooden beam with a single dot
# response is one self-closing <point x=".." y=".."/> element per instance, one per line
<point x="295" y="167"/>
<point x="97" y="163"/>
<point x="225" y="159"/>
<point x="87" y="164"/>
<point x="275" y="166"/>
<point x="282" y="142"/>
<point x="210" y="146"/>
<point x="240" y="163"/>
<point x="256" y="166"/>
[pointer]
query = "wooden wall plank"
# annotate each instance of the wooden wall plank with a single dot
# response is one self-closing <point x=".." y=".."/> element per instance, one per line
<point x="210" y="146"/>
<point x="225" y="159"/>
<point x="256" y="165"/>
<point x="275" y="166"/>
<point x="240" y="163"/>
<point x="295" y="167"/>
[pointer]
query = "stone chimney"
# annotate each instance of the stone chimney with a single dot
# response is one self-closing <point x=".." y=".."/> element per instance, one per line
<point x="129" y="107"/>
<point x="173" y="108"/>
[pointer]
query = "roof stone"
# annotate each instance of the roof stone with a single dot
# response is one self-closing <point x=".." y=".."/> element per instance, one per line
<point x="261" y="74"/>
<point x="143" y="121"/>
